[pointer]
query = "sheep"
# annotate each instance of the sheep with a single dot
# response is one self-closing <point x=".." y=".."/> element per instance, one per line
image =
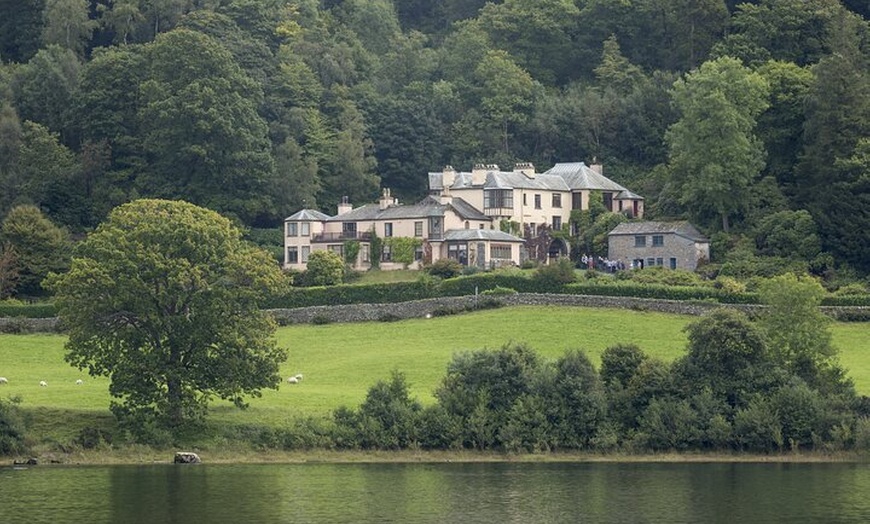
<point x="79" y="382"/>
<point x="298" y="377"/>
<point x="43" y="383"/>
<point x="292" y="380"/>
<point x="3" y="381"/>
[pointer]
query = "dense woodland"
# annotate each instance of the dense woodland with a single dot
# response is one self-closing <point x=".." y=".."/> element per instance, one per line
<point x="751" y="119"/>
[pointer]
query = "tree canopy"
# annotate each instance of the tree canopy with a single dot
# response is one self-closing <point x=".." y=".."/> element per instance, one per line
<point x="163" y="299"/>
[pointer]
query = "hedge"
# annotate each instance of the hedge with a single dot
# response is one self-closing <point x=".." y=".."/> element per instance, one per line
<point x="43" y="310"/>
<point x="382" y="293"/>
<point x="662" y="292"/>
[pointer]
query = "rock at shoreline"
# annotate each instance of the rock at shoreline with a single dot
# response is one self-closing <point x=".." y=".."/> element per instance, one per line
<point x="186" y="457"/>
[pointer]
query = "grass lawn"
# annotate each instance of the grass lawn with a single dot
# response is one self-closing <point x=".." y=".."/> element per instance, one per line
<point x="341" y="361"/>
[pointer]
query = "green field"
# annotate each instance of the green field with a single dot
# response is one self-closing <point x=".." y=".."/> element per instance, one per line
<point x="341" y="361"/>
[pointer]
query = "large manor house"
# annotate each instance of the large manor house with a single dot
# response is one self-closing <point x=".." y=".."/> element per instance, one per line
<point x="467" y="216"/>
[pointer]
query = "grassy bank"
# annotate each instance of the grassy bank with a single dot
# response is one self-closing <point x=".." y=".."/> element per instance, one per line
<point x="341" y="361"/>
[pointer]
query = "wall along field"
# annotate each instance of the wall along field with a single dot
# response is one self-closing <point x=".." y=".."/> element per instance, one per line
<point x="341" y="361"/>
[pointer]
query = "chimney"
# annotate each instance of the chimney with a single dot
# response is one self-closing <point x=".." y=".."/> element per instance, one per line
<point x="344" y="206"/>
<point x="448" y="177"/>
<point x="595" y="166"/>
<point x="478" y="174"/>
<point x="387" y="200"/>
<point x="526" y="168"/>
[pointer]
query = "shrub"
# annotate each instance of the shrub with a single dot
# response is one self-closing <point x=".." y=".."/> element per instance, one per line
<point x="445" y="268"/>
<point x="325" y="268"/>
<point x="555" y="274"/>
<point x="498" y="290"/>
<point x="11" y="428"/>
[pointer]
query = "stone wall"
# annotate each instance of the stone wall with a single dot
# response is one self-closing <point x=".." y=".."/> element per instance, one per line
<point x="437" y="306"/>
<point x="434" y="306"/>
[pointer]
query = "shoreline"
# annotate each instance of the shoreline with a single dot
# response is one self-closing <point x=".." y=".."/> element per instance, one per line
<point x="147" y="456"/>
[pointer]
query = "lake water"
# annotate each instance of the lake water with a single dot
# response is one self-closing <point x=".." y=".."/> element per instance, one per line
<point x="452" y="492"/>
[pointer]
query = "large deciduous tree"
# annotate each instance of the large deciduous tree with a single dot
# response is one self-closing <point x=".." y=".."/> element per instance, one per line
<point x="163" y="298"/>
<point x="203" y="138"/>
<point x="714" y="154"/>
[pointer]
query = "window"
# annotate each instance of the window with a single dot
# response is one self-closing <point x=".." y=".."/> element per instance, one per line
<point x="498" y="198"/>
<point x="388" y="229"/>
<point x="532" y="228"/>
<point x="305" y="229"/>
<point x="640" y="241"/>
<point x="650" y="262"/>
<point x="481" y="227"/>
<point x="557" y="222"/>
<point x="608" y="201"/>
<point x="659" y="262"/>
<point x="291" y="229"/>
<point x="365" y="252"/>
<point x="501" y="251"/>
<point x="418" y="229"/>
<point x="576" y="200"/>
<point x="418" y="253"/>
<point x="557" y="200"/>
<point x="292" y="255"/>
<point x="673" y="263"/>
<point x="338" y="249"/>
<point x="306" y="250"/>
<point x="537" y="201"/>
<point x="525" y="200"/>
<point x="348" y="229"/>
<point x="387" y="254"/>
<point x="658" y="240"/>
<point x="467" y="224"/>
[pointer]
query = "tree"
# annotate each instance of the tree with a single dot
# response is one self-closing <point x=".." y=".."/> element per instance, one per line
<point x="797" y="331"/>
<point x="728" y="354"/>
<point x="203" y="137"/>
<point x="39" y="247"/>
<point x="325" y="268"/>
<point x="68" y="25"/>
<point x="163" y="298"/>
<point x="714" y="154"/>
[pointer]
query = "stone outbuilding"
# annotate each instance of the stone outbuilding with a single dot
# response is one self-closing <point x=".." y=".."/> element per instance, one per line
<point x="675" y="245"/>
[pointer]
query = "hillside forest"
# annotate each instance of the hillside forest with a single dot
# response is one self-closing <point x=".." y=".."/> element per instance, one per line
<point x="750" y="119"/>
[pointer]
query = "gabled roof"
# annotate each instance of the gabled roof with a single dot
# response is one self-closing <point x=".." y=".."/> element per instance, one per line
<point x="572" y="176"/>
<point x="428" y="207"/>
<point x="466" y="210"/>
<point x="578" y="175"/>
<point x="310" y="215"/>
<point x="480" y="234"/>
<point x="628" y="195"/>
<point x="680" y="228"/>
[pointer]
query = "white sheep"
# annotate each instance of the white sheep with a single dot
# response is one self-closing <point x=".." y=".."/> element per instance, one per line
<point x="298" y="377"/>
<point x="4" y="380"/>
<point x="43" y="383"/>
<point x="79" y="382"/>
<point x="292" y="380"/>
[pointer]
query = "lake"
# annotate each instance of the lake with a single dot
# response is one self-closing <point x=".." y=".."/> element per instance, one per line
<point x="438" y="492"/>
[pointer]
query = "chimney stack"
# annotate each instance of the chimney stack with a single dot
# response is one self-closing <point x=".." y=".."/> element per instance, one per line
<point x="526" y="168"/>
<point x="387" y="200"/>
<point x="448" y="177"/>
<point x="344" y="206"/>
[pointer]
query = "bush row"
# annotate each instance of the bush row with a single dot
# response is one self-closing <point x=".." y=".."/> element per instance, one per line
<point x="385" y="293"/>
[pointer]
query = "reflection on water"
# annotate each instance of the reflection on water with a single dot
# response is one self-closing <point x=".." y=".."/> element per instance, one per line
<point x="466" y="493"/>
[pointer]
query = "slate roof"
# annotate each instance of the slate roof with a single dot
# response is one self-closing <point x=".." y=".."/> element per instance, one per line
<point x="310" y="215"/>
<point x="480" y="234"/>
<point x="561" y="177"/>
<point x="580" y="176"/>
<point x="680" y="228"/>
<point x="428" y="207"/>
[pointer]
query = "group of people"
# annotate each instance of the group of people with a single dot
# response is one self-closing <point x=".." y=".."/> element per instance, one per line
<point x="602" y="264"/>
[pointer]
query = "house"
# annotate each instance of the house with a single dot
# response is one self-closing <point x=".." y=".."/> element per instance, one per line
<point x="447" y="227"/>
<point x="473" y="217"/>
<point x="523" y="199"/>
<point x="677" y="245"/>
